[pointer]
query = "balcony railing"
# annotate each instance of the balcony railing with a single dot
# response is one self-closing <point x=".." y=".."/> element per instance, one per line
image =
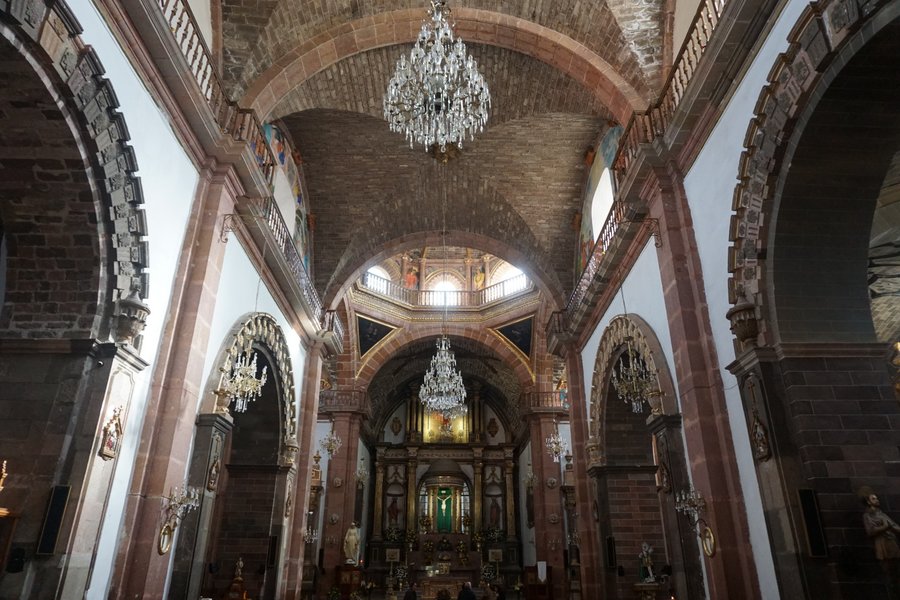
<point x="644" y="127"/>
<point x="240" y="123"/>
<point x="555" y="402"/>
<point x="503" y="290"/>
<point x="344" y="401"/>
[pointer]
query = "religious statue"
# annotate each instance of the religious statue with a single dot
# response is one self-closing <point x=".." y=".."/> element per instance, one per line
<point x="884" y="532"/>
<point x="646" y="558"/>
<point x="393" y="511"/>
<point x="495" y="513"/>
<point x="351" y="544"/>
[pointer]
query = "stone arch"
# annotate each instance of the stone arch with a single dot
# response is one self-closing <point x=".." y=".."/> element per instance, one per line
<point x="480" y="218"/>
<point x="470" y="331"/>
<point x="827" y="35"/>
<point x="474" y="25"/>
<point x="647" y="346"/>
<point x="261" y="332"/>
<point x="102" y="224"/>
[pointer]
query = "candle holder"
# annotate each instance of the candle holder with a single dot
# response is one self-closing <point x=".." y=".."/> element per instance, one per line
<point x="692" y="504"/>
<point x="177" y="504"/>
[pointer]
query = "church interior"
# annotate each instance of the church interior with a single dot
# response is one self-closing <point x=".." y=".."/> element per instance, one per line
<point x="324" y="299"/>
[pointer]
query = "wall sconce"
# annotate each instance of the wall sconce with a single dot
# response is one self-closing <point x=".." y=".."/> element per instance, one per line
<point x="2" y="474"/>
<point x="330" y="444"/>
<point x="692" y="504"/>
<point x="311" y="536"/>
<point x="177" y="504"/>
<point x="530" y="479"/>
<point x="553" y="544"/>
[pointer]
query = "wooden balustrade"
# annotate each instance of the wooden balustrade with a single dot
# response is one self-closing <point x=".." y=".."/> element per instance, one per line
<point x="644" y="127"/>
<point x="240" y="123"/>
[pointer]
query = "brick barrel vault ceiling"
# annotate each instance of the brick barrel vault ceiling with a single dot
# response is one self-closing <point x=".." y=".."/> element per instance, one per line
<point x="257" y="33"/>
<point x="520" y="182"/>
<point x="357" y="84"/>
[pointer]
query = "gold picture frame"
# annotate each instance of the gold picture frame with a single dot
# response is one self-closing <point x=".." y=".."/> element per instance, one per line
<point x="708" y="541"/>
<point x="164" y="541"/>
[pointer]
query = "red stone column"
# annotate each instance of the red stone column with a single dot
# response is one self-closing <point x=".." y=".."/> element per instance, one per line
<point x="549" y="531"/>
<point x="309" y="413"/>
<point x="588" y="545"/>
<point x="731" y="573"/>
<point x="174" y="393"/>
<point x="340" y="494"/>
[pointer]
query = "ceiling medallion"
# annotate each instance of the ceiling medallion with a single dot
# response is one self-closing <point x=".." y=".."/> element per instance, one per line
<point x="444" y="154"/>
<point x="437" y="95"/>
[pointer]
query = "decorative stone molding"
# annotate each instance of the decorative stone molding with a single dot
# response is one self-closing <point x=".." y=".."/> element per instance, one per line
<point x="617" y="333"/>
<point x="261" y="329"/>
<point x="51" y="34"/>
<point x="814" y="45"/>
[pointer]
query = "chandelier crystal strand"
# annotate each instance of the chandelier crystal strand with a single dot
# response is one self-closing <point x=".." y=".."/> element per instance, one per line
<point x="243" y="387"/>
<point x="443" y="390"/>
<point x="437" y="96"/>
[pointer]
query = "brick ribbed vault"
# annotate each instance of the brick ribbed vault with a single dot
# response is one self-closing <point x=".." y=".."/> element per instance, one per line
<point x="270" y="48"/>
<point x="514" y="192"/>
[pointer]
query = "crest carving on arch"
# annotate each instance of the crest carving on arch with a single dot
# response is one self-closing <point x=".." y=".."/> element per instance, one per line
<point x="822" y="31"/>
<point x="261" y="329"/>
<point x="620" y="330"/>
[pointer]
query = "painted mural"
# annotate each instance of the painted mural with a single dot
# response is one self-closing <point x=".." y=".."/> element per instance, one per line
<point x="601" y="160"/>
<point x="289" y="160"/>
<point x="519" y="334"/>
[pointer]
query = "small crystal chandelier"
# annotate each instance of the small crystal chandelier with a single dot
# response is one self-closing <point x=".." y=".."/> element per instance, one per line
<point x="437" y="96"/>
<point x="556" y="447"/>
<point x="330" y="444"/>
<point x="243" y="386"/>
<point x="633" y="380"/>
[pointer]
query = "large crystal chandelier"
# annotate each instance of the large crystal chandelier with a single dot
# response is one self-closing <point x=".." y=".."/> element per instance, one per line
<point x="443" y="390"/>
<point x="437" y="96"/>
<point x="243" y="386"/>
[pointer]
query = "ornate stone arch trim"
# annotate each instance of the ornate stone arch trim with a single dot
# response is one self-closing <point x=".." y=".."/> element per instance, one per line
<point x="646" y="345"/>
<point x="825" y="34"/>
<point x="50" y="35"/>
<point x="262" y="331"/>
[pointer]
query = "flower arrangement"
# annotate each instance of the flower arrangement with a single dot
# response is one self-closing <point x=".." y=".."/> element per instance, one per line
<point x="477" y="539"/>
<point x="493" y="534"/>
<point x="393" y="534"/>
<point x="488" y="572"/>
<point x="334" y="594"/>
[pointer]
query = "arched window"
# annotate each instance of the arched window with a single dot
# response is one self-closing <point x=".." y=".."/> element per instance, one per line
<point x="602" y="202"/>
<point x="446" y="294"/>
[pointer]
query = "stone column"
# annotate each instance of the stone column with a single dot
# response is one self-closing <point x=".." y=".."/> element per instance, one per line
<point x="304" y="481"/>
<point x="340" y="492"/>
<point x="549" y="532"/>
<point x="189" y="565"/>
<point x="477" y="493"/>
<point x="732" y="572"/>
<point x="411" y="491"/>
<point x="510" y="496"/>
<point x="107" y="401"/>
<point x="174" y="395"/>
<point x="378" y="518"/>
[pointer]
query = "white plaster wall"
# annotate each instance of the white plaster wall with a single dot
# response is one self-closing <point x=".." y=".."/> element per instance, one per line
<point x="203" y="15"/>
<point x="684" y="16"/>
<point x="169" y="181"/>
<point x="529" y="552"/>
<point x="643" y="294"/>
<point x="709" y="186"/>
<point x="240" y="294"/>
<point x="284" y="199"/>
